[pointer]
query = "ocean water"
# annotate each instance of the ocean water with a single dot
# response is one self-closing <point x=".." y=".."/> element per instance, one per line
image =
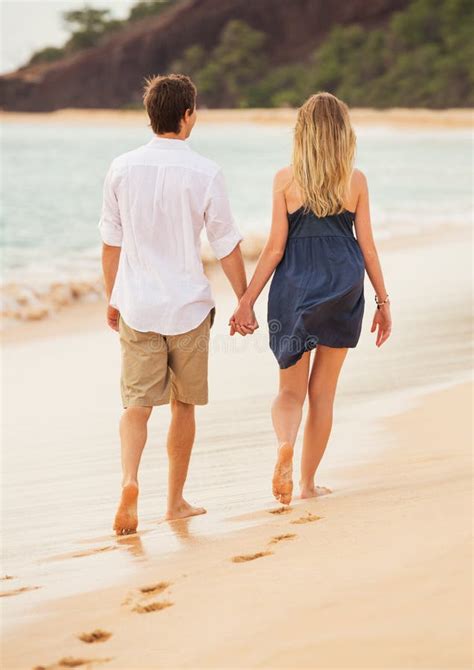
<point x="52" y="179"/>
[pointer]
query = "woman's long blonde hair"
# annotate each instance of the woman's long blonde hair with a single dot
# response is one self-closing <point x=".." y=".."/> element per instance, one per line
<point x="323" y="153"/>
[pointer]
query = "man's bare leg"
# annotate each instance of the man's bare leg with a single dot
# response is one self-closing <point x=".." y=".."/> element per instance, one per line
<point x="180" y="443"/>
<point x="133" y="434"/>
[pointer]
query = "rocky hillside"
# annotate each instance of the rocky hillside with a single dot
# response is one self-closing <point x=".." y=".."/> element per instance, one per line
<point x="111" y="75"/>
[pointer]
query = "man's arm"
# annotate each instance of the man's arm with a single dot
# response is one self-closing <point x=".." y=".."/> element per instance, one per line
<point x="110" y="227"/>
<point x="234" y="269"/>
<point x="110" y="262"/>
<point x="225" y="239"/>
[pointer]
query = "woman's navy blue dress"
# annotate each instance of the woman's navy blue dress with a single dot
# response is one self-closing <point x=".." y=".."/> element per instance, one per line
<point x="317" y="292"/>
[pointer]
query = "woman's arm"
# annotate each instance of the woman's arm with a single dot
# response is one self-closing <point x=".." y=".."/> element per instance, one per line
<point x="270" y="257"/>
<point x="363" y="227"/>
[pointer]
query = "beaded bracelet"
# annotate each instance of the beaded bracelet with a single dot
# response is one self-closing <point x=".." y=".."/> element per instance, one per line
<point x="379" y="303"/>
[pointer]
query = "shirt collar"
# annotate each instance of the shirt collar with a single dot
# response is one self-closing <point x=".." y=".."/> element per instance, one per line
<point x="168" y="143"/>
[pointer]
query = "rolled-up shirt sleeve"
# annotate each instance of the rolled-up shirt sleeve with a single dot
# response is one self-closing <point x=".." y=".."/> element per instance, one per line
<point x="221" y="230"/>
<point x="110" y="225"/>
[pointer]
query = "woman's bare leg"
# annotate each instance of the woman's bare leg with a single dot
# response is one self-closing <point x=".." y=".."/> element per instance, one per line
<point x="286" y="415"/>
<point x="321" y="392"/>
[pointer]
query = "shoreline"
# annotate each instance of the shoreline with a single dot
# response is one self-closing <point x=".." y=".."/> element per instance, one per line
<point x="26" y="309"/>
<point x="397" y="494"/>
<point x="398" y="117"/>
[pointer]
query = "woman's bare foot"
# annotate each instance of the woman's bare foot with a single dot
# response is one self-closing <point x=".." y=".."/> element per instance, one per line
<point x="282" y="475"/>
<point x="183" y="510"/>
<point x="314" y="491"/>
<point x="126" y="519"/>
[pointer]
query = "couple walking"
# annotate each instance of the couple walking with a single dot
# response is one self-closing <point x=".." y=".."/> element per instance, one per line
<point x="157" y="200"/>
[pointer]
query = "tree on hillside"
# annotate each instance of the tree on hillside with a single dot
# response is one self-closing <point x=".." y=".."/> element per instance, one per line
<point x="86" y="20"/>
<point x="46" y="55"/>
<point x="146" y="8"/>
<point x="88" y="26"/>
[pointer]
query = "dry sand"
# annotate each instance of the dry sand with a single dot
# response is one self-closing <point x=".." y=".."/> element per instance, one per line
<point x="416" y="118"/>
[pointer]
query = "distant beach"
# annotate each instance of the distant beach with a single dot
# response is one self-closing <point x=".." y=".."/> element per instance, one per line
<point x="414" y="118"/>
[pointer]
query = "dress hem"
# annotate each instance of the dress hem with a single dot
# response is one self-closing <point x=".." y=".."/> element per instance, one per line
<point x="300" y="354"/>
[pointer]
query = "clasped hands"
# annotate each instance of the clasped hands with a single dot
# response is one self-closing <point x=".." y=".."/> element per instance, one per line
<point x="243" y="320"/>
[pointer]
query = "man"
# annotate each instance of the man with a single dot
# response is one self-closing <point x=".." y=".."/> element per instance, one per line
<point x="157" y="199"/>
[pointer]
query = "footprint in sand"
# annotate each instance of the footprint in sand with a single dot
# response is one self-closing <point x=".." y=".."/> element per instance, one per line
<point x="15" y="592"/>
<point x="97" y="635"/>
<point x="154" y="589"/>
<point x="5" y="577"/>
<point x="307" y="519"/>
<point x="71" y="662"/>
<point x="157" y="606"/>
<point x="244" y="558"/>
<point x="281" y="538"/>
<point x="144" y="592"/>
<point x="280" y="510"/>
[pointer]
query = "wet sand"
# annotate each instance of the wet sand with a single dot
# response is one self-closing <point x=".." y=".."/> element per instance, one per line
<point x="375" y="575"/>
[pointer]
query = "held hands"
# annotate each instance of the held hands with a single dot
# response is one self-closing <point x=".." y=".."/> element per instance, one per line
<point x="243" y="320"/>
<point x="382" y="322"/>
<point x="113" y="317"/>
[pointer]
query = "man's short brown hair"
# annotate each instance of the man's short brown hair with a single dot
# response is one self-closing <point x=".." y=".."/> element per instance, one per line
<point x="166" y="100"/>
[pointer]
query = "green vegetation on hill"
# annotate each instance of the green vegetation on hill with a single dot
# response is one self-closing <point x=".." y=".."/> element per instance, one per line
<point x="423" y="57"/>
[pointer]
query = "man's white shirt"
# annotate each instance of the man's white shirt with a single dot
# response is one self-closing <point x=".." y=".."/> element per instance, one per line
<point x="157" y="199"/>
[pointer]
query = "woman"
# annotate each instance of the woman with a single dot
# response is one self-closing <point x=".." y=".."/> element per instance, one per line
<point x="316" y="299"/>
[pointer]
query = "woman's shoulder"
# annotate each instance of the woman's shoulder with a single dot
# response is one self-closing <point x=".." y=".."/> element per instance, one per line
<point x="358" y="179"/>
<point x="283" y="181"/>
<point x="357" y="188"/>
<point x="283" y="177"/>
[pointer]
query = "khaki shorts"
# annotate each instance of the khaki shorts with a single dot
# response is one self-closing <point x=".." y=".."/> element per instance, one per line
<point x="156" y="368"/>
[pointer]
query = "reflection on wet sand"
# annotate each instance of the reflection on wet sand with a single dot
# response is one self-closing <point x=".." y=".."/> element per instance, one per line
<point x="134" y="545"/>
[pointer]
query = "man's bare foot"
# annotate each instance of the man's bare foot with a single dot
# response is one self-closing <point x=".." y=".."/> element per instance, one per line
<point x="126" y="519"/>
<point x="314" y="491"/>
<point x="282" y="475"/>
<point x="183" y="510"/>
